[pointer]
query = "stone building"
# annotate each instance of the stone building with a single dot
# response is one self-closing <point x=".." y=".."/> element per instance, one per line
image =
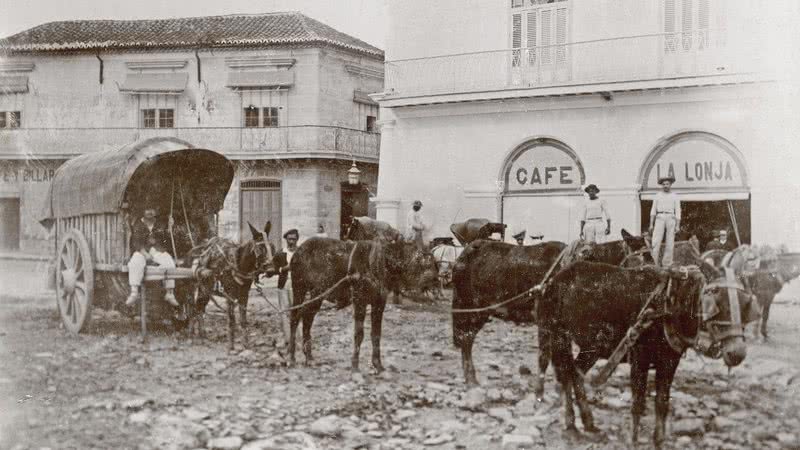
<point x="506" y="109"/>
<point x="282" y="94"/>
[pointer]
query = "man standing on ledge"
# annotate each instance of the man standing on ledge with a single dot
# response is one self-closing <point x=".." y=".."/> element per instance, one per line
<point x="593" y="225"/>
<point x="665" y="218"/>
<point x="416" y="224"/>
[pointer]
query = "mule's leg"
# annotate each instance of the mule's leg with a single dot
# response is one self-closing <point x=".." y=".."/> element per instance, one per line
<point x="231" y="324"/>
<point x="638" y="381"/>
<point x="564" y="367"/>
<point x="308" y="320"/>
<point x="765" y="317"/>
<point x="545" y="352"/>
<point x="243" y="300"/>
<point x="665" y="373"/>
<point x="376" y="323"/>
<point x="359" y="313"/>
<point x="583" y="404"/>
<point x="294" y="319"/>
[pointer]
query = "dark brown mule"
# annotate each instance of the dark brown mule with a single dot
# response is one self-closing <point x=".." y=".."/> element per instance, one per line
<point x="594" y="305"/>
<point x="334" y="270"/>
<point x="234" y="266"/>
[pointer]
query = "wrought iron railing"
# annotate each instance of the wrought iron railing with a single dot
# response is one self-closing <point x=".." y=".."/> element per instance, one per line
<point x="652" y="57"/>
<point x="306" y="140"/>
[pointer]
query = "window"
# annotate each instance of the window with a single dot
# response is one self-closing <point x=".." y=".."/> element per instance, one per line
<point x="270" y="116"/>
<point x="255" y="117"/>
<point x="10" y="119"/>
<point x="371" y="122"/>
<point x="687" y="24"/>
<point x="158" y="118"/>
<point x="523" y="3"/>
<point x="538" y="30"/>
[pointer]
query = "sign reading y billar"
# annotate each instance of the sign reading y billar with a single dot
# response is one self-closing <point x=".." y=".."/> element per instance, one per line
<point x="541" y="166"/>
<point x="697" y="163"/>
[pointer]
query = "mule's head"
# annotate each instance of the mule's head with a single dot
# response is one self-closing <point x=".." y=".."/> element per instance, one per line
<point x="726" y="307"/>
<point x="260" y="249"/>
<point x="416" y="268"/>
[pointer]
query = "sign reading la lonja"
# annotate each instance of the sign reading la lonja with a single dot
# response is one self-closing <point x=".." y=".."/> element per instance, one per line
<point x="544" y="167"/>
<point x="697" y="164"/>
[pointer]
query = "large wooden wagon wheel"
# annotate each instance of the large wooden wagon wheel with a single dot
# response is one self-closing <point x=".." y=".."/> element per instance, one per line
<point x="74" y="281"/>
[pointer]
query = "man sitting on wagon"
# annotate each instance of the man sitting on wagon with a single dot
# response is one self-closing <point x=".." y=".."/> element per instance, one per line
<point x="149" y="244"/>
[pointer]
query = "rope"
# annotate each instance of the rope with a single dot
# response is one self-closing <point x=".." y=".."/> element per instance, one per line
<point x="537" y="288"/>
<point x="172" y="236"/>
<point x="185" y="217"/>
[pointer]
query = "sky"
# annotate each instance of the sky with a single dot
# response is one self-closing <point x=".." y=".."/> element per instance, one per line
<point x="363" y="19"/>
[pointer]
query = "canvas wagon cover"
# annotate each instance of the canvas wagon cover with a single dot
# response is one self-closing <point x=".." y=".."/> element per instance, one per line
<point x="96" y="183"/>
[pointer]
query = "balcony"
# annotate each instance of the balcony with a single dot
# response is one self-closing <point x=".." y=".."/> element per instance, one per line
<point x="658" y="60"/>
<point x="237" y="143"/>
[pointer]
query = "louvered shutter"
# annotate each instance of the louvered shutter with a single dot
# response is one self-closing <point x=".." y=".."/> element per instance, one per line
<point x="687" y="23"/>
<point x="546" y="39"/>
<point x="561" y="35"/>
<point x="516" y="38"/>
<point x="531" y="35"/>
<point x="669" y="26"/>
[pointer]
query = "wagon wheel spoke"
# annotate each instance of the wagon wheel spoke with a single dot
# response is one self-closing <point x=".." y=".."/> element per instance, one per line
<point x="75" y="308"/>
<point x="68" y="303"/>
<point x="70" y="256"/>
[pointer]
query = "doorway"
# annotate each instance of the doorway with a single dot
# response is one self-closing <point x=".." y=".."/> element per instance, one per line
<point x="702" y="218"/>
<point x="9" y="224"/>
<point x="355" y="203"/>
<point x="261" y="202"/>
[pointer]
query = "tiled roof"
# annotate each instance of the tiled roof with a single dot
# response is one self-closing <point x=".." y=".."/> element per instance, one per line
<point x="245" y="30"/>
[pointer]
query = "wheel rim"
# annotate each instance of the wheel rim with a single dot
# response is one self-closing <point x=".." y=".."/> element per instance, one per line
<point x="75" y="282"/>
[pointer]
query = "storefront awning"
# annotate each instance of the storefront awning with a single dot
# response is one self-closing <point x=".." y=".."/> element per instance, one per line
<point x="363" y="97"/>
<point x="14" y="85"/>
<point x="154" y="83"/>
<point x="702" y="196"/>
<point x="255" y="80"/>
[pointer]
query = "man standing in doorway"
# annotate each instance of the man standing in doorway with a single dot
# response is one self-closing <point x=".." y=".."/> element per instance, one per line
<point x="416" y="224"/>
<point x="595" y="221"/>
<point x="665" y="219"/>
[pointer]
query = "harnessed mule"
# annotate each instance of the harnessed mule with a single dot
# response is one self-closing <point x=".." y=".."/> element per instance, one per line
<point x="653" y="315"/>
<point x="234" y="266"/>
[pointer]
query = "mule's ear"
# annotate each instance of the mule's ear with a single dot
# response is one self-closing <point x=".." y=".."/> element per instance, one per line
<point x="256" y="234"/>
<point x="625" y="235"/>
<point x="267" y="228"/>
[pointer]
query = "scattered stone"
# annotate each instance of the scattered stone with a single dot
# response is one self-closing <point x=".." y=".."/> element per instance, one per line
<point x="688" y="427"/>
<point x="740" y="415"/>
<point x="136" y="403"/>
<point x="517" y="441"/>
<point x="195" y="415"/>
<point x="503" y="414"/>
<point x="508" y="395"/>
<point x="438" y="386"/>
<point x="473" y="398"/>
<point x="375" y="433"/>
<point x="615" y="402"/>
<point x="526" y="406"/>
<point x="295" y="440"/>
<point x="683" y="441"/>
<point x="494" y="395"/>
<point x="724" y="423"/>
<point x="403" y="414"/>
<point x="43" y="355"/>
<point x="787" y="439"/>
<point x="225" y="443"/>
<point x="170" y="432"/>
<point x="139" y="417"/>
<point x="438" y="440"/>
<point x="358" y="378"/>
<point x="247" y="354"/>
<point x="527" y="426"/>
<point x="524" y="370"/>
<point x="328" y="426"/>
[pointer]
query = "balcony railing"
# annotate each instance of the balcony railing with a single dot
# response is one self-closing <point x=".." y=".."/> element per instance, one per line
<point x="285" y="142"/>
<point x="639" y="58"/>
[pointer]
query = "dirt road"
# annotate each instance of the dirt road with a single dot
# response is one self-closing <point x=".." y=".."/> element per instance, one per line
<point x="103" y="389"/>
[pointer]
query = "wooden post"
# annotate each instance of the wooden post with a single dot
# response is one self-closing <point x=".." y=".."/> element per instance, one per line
<point x="143" y="301"/>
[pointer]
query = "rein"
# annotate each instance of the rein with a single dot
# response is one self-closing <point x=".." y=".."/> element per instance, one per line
<point x="537" y="288"/>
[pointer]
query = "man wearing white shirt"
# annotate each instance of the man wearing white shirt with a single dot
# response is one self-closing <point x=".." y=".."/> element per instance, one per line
<point x="595" y="221"/>
<point x="665" y="218"/>
<point x="416" y="224"/>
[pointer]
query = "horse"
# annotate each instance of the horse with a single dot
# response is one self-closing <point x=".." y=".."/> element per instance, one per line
<point x="234" y="266"/>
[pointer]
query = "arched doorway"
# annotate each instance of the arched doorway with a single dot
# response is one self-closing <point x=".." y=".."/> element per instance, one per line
<point x="711" y="179"/>
<point x="542" y="179"/>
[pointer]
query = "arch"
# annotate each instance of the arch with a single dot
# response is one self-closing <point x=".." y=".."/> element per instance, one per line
<point x="542" y="165"/>
<point x="699" y="160"/>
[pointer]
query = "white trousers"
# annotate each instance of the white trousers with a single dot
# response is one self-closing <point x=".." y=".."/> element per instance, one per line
<point x="138" y="262"/>
<point x="594" y="230"/>
<point x="665" y="225"/>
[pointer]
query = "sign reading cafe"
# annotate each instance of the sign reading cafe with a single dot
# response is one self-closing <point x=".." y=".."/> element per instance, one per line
<point x="543" y="165"/>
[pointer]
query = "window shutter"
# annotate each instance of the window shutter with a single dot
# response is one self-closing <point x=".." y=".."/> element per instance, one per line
<point x="531" y="34"/>
<point x="546" y="40"/>
<point x="702" y="14"/>
<point x="561" y="34"/>
<point x="687" y="22"/>
<point x="669" y="16"/>
<point x="516" y="31"/>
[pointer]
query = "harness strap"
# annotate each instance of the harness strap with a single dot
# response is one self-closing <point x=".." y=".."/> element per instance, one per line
<point x="733" y="298"/>
<point x="643" y="321"/>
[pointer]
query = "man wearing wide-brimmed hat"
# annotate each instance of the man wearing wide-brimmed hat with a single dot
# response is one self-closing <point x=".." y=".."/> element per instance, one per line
<point x="596" y="220"/>
<point x="519" y="235"/>
<point x="416" y="224"/>
<point x="665" y="219"/>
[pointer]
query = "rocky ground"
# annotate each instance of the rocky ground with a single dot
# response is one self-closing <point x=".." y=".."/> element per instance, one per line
<point x="104" y="389"/>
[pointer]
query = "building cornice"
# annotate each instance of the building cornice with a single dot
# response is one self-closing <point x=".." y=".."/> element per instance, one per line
<point x="17" y="66"/>
<point x="157" y="64"/>
<point x="364" y="71"/>
<point x="259" y="62"/>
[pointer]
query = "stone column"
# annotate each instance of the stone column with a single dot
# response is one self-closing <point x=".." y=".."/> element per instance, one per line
<point x="387" y="203"/>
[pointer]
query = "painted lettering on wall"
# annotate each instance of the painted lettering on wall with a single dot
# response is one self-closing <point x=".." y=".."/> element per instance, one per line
<point x="32" y="175"/>
<point x="543" y="167"/>
<point x="697" y="164"/>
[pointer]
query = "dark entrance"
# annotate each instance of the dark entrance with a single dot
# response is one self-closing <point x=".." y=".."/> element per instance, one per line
<point x="261" y="202"/>
<point x="703" y="218"/>
<point x="9" y="224"/>
<point x="355" y="203"/>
